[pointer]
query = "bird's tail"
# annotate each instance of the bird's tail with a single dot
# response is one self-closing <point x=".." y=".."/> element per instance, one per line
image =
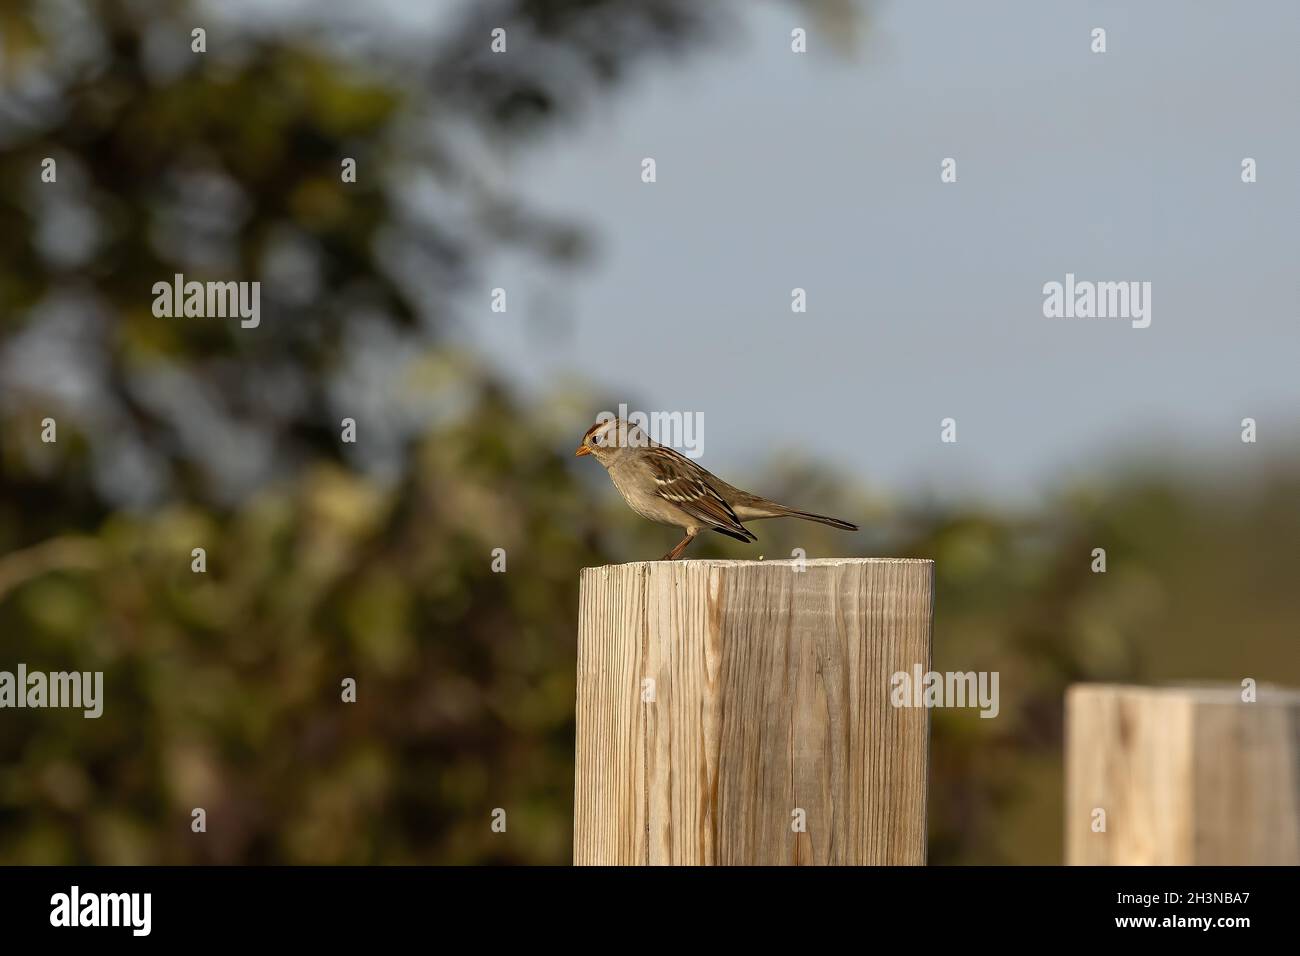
<point x="821" y="519"/>
<point x="752" y="507"/>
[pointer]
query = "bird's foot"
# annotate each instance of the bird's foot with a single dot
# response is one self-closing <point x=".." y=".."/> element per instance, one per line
<point x="676" y="552"/>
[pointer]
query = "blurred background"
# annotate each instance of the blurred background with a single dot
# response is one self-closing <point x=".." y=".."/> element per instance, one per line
<point x="522" y="171"/>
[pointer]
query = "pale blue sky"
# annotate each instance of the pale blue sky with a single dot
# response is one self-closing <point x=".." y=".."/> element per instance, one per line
<point x="822" y="171"/>
<point x="925" y="301"/>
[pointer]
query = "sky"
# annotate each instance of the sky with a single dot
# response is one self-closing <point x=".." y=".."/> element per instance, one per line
<point x="925" y="299"/>
<point x="821" y="171"/>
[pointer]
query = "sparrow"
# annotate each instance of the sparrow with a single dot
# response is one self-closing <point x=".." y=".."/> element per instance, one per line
<point x="665" y="486"/>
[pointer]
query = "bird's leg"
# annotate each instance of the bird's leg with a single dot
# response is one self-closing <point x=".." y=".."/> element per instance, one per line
<point x="676" y="552"/>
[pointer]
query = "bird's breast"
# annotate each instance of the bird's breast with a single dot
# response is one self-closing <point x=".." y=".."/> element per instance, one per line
<point x="643" y="500"/>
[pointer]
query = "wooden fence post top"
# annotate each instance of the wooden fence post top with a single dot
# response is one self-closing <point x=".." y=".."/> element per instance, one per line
<point x="1182" y="775"/>
<point x="1265" y="694"/>
<point x="741" y="712"/>
<point x="774" y="562"/>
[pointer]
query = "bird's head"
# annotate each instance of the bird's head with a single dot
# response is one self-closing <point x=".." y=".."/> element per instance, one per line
<point x="611" y="437"/>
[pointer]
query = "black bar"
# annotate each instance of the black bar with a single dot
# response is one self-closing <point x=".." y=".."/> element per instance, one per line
<point x="581" y="907"/>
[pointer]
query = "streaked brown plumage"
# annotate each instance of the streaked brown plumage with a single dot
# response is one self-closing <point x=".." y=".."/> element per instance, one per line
<point x="662" y="485"/>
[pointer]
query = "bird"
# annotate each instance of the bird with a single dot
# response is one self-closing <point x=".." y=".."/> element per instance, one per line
<point x="665" y="486"/>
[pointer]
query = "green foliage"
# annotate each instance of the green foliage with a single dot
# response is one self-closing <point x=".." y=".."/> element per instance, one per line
<point x="223" y="688"/>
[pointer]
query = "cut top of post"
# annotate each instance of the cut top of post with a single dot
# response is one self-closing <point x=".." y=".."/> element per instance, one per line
<point x="742" y="712"/>
<point x="1207" y="693"/>
<point x="775" y="562"/>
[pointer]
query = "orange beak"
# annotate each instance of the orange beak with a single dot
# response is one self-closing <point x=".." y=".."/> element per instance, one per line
<point x="583" y="449"/>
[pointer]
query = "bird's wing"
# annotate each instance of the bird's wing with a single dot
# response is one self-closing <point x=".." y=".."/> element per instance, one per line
<point x="685" y="484"/>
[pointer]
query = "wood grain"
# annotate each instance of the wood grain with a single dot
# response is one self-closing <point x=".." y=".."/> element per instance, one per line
<point x="1186" y="776"/>
<point x="771" y="696"/>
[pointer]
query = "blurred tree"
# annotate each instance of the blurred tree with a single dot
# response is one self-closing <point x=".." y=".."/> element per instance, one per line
<point x="326" y="560"/>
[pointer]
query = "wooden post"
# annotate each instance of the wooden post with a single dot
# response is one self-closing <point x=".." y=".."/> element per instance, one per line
<point x="738" y="712"/>
<point x="1183" y="775"/>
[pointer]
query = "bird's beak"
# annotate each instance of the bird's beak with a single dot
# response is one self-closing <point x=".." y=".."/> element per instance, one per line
<point x="583" y="449"/>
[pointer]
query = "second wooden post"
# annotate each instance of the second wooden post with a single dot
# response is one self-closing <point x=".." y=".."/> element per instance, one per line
<point x="739" y="712"/>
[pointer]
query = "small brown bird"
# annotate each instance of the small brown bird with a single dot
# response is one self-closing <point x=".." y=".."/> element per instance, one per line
<point x="665" y="486"/>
